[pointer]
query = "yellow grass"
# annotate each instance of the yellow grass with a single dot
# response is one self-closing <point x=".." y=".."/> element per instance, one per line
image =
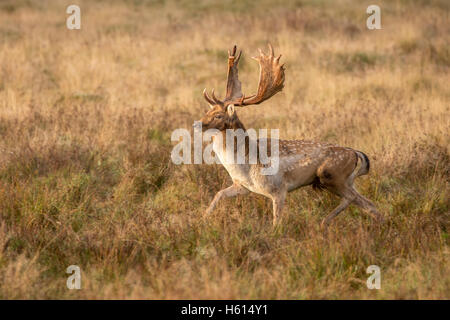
<point x="85" y="172"/>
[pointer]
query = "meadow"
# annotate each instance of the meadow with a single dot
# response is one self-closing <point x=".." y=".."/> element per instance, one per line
<point x="86" y="176"/>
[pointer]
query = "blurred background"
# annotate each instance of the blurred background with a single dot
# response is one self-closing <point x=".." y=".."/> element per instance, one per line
<point x="85" y="172"/>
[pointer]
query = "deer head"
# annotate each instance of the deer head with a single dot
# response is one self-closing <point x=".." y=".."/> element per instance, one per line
<point x="222" y="114"/>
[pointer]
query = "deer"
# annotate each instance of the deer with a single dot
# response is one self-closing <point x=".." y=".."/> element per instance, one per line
<point x="325" y="166"/>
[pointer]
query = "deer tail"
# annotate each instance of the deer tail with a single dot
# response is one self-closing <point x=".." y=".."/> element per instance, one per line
<point x="365" y="163"/>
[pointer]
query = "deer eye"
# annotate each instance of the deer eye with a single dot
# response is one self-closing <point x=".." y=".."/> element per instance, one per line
<point x="218" y="116"/>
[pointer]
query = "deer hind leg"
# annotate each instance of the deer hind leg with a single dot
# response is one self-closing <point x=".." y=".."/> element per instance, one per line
<point x="367" y="206"/>
<point x="231" y="191"/>
<point x="350" y="196"/>
<point x="336" y="175"/>
<point x="341" y="207"/>
<point x="347" y="195"/>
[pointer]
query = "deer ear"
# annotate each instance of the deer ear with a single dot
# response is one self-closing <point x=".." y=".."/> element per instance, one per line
<point x="230" y="109"/>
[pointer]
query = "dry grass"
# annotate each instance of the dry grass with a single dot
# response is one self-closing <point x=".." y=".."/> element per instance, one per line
<point x="85" y="171"/>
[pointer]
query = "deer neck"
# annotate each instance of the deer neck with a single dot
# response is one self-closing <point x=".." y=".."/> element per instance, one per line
<point x="220" y="141"/>
<point x="235" y="124"/>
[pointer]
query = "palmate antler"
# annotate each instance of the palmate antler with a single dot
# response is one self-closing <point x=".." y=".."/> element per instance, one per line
<point x="271" y="80"/>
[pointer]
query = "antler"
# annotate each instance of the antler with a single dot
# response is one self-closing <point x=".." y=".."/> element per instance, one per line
<point x="271" y="80"/>
<point x="213" y="100"/>
<point x="233" y="83"/>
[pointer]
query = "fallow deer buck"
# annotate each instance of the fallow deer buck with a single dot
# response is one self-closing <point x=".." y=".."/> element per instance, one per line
<point x="301" y="162"/>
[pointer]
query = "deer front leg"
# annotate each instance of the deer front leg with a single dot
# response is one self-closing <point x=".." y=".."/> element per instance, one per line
<point x="278" y="204"/>
<point x="231" y="191"/>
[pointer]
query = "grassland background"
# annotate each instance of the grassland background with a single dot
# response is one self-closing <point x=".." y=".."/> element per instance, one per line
<point x="85" y="172"/>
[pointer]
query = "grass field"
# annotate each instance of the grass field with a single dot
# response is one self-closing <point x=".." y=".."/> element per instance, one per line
<point x="85" y="171"/>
